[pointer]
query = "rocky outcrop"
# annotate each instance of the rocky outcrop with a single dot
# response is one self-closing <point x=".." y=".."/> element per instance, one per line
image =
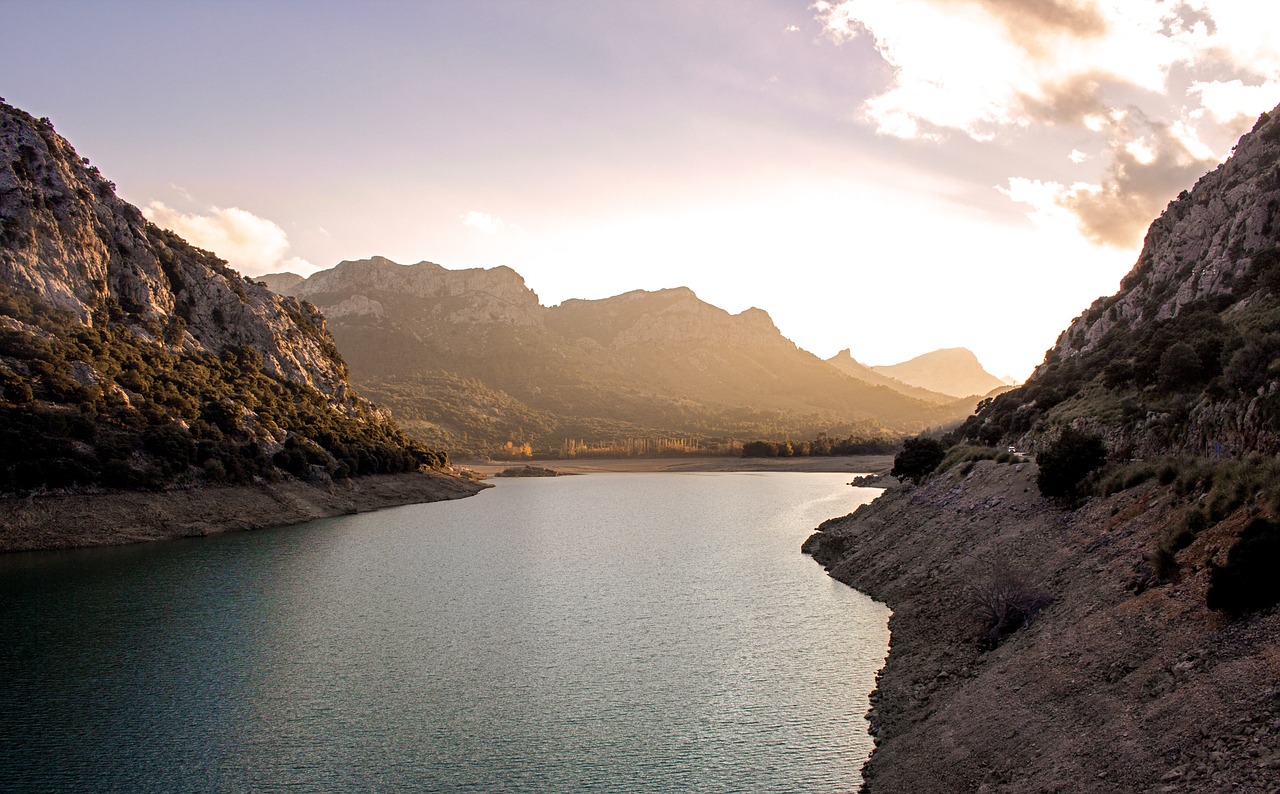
<point x="1185" y="358"/>
<point x="66" y="238"/>
<point x="1121" y="683"/>
<point x="478" y="295"/>
<point x="1211" y="240"/>
<point x="130" y="359"/>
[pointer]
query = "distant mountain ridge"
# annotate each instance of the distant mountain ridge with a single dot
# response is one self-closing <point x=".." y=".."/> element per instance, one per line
<point x="954" y="372"/>
<point x="662" y="363"/>
<point x="130" y="359"/>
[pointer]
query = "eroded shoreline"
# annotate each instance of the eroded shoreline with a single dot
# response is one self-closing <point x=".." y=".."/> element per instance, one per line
<point x="1114" y="687"/>
<point x="118" y="518"/>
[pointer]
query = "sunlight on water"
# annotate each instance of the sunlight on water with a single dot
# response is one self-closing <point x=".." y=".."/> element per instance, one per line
<point x="612" y="632"/>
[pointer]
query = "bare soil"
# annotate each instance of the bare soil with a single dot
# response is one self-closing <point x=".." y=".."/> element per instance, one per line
<point x="117" y="518"/>
<point x="1121" y="684"/>
<point x="854" y="464"/>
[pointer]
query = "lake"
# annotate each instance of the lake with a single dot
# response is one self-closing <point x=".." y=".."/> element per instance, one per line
<point x="605" y="632"/>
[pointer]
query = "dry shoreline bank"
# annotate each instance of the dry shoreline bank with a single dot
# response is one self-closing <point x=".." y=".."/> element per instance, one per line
<point x="1121" y="684"/>
<point x="118" y="518"/>
<point x="853" y="464"/>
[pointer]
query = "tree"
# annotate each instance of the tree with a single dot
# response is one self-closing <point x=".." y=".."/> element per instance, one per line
<point x="1248" y="581"/>
<point x="1067" y="461"/>
<point x="919" y="456"/>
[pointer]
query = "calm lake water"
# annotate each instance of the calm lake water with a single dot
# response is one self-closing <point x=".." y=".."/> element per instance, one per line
<point x="608" y="632"/>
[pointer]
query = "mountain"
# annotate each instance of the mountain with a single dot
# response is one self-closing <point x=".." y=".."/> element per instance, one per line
<point x="1185" y="357"/>
<point x="846" y="363"/>
<point x="130" y="359"/>
<point x="954" y="371"/>
<point x="1126" y="641"/>
<point x="470" y="358"/>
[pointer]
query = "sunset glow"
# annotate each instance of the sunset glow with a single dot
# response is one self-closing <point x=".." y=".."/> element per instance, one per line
<point x="889" y="177"/>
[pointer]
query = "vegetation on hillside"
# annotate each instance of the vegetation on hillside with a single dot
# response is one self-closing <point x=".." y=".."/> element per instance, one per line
<point x="1147" y="383"/>
<point x="823" y="445"/>
<point x="99" y="406"/>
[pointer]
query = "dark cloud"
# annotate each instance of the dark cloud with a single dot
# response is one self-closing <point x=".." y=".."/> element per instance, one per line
<point x="1134" y="192"/>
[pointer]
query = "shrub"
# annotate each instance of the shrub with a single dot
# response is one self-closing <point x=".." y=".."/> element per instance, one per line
<point x="918" y="458"/>
<point x="1067" y="461"/>
<point x="1251" y="578"/>
<point x="1006" y="602"/>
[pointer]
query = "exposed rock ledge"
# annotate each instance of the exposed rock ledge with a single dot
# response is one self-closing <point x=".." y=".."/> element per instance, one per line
<point x="112" y="519"/>
<point x="1106" y="690"/>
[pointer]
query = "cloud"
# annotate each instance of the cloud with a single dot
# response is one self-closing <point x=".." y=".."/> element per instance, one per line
<point x="483" y="222"/>
<point x="791" y="29"/>
<point x="1149" y="163"/>
<point x="1161" y="87"/>
<point x="250" y="244"/>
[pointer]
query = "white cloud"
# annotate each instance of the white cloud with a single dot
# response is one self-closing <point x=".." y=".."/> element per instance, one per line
<point x="250" y="244"/>
<point x="1077" y="156"/>
<point x="483" y="222"/>
<point x="1228" y="100"/>
<point x="791" y="29"/>
<point x="1163" y="88"/>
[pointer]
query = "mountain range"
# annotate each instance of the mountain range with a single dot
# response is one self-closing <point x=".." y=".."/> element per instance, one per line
<point x="470" y="360"/>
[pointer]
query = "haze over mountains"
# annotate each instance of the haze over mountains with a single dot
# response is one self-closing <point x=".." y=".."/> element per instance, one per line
<point x="471" y="359"/>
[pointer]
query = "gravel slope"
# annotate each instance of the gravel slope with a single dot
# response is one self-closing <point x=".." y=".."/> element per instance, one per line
<point x="1112" y="687"/>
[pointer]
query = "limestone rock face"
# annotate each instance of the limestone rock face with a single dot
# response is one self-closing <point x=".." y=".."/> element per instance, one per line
<point x="1185" y="357"/>
<point x="66" y="238"/>
<point x="1205" y="243"/>
<point x="463" y="296"/>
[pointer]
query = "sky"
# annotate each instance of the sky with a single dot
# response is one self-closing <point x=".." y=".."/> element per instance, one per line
<point x="888" y="176"/>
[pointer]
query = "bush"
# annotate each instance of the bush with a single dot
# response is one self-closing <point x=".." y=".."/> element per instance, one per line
<point x="1006" y="602"/>
<point x="1251" y="578"/>
<point x="1067" y="462"/>
<point x="918" y="458"/>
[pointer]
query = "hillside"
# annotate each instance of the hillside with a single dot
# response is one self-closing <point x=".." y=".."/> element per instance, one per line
<point x="1186" y="355"/>
<point x="1122" y="637"/>
<point x="471" y="359"/>
<point x="954" y="371"/>
<point x="130" y="359"/>
<point x="1124" y="682"/>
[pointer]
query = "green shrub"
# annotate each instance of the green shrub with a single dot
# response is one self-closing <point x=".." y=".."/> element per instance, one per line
<point x="918" y="458"/>
<point x="1251" y="578"/>
<point x="1067" y="461"/>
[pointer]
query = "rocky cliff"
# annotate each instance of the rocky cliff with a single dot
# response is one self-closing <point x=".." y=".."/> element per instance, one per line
<point x="69" y="241"/>
<point x="1185" y="357"/>
<point x="471" y="358"/>
<point x="130" y="359"/>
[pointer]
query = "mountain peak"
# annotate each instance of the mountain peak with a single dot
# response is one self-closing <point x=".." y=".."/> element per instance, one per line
<point x="954" y="370"/>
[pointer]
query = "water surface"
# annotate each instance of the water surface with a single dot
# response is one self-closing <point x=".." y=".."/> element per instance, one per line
<point x="609" y="632"/>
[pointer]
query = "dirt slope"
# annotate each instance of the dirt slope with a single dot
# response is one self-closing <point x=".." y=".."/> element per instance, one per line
<point x="1112" y="688"/>
<point x="118" y="518"/>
